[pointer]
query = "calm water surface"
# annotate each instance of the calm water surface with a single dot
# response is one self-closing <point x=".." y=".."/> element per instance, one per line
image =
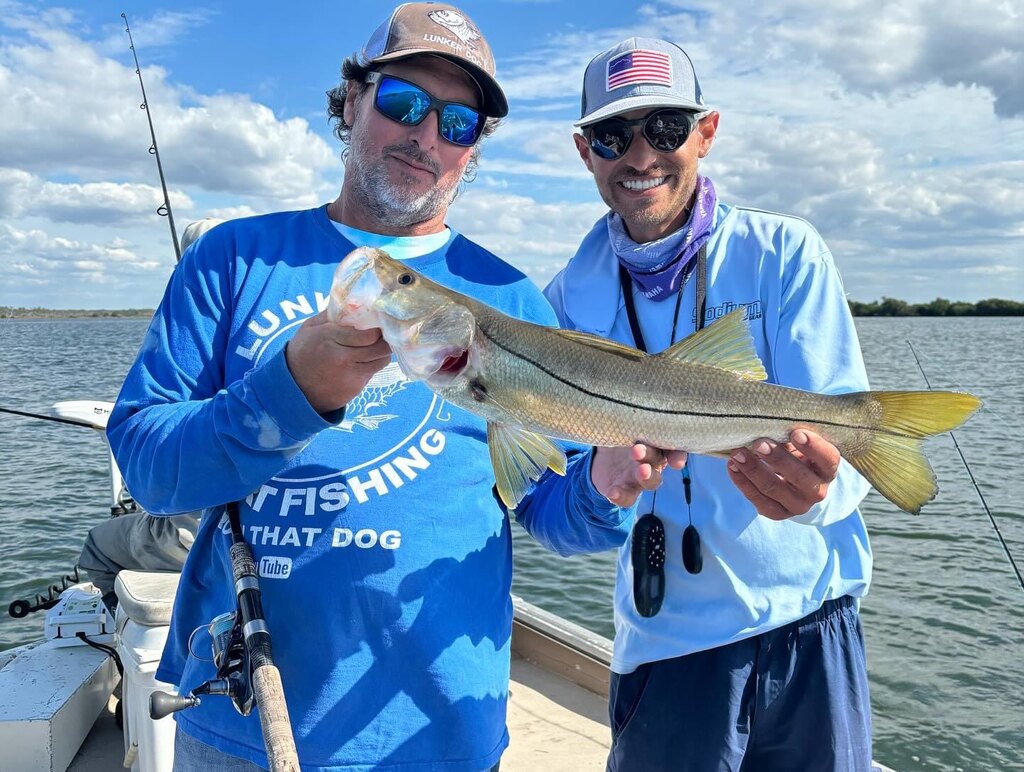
<point x="943" y="620"/>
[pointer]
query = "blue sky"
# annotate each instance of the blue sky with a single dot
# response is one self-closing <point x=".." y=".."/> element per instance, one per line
<point x="897" y="129"/>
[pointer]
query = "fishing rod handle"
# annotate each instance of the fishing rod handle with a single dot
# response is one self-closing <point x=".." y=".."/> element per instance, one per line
<point x="277" y="727"/>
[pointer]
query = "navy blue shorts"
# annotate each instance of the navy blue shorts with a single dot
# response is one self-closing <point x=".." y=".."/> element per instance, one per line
<point x="795" y="698"/>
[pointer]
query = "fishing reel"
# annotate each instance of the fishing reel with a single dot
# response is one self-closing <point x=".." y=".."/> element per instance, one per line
<point x="234" y="672"/>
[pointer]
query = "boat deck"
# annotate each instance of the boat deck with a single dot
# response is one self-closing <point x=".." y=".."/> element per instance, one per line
<point x="551" y="721"/>
<point x="557" y="715"/>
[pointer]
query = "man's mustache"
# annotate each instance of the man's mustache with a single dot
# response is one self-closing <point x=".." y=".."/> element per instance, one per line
<point x="413" y="152"/>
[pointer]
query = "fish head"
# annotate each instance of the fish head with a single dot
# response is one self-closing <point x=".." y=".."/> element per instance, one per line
<point x="429" y="330"/>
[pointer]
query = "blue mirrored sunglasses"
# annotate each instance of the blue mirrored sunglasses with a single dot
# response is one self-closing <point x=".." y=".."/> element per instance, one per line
<point x="407" y="103"/>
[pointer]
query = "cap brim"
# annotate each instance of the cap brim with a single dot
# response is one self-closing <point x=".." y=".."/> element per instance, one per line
<point x="635" y="103"/>
<point x="495" y="104"/>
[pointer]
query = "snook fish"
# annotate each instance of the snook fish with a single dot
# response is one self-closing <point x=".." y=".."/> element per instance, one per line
<point x="706" y="394"/>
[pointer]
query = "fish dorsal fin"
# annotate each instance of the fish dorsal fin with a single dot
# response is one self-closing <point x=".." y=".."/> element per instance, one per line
<point x="602" y="344"/>
<point x="726" y="344"/>
<point x="520" y="457"/>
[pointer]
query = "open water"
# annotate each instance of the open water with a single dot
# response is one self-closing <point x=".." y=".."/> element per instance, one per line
<point x="944" y="621"/>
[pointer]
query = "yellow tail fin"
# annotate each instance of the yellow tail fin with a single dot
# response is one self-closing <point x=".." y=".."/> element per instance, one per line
<point x="924" y="413"/>
<point x="893" y="462"/>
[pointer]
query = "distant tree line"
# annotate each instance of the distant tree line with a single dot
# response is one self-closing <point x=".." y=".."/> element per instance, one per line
<point x="8" y="312"/>
<point x="883" y="307"/>
<point x="937" y="307"/>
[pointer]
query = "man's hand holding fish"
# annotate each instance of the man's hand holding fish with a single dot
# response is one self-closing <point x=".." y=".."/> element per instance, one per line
<point x="622" y="474"/>
<point x="785" y="479"/>
<point x="332" y="363"/>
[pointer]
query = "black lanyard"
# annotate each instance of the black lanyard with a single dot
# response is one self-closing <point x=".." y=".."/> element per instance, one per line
<point x="648" y="554"/>
<point x="626" y="282"/>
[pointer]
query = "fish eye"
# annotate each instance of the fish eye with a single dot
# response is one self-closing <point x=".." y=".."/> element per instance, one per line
<point x="406" y="278"/>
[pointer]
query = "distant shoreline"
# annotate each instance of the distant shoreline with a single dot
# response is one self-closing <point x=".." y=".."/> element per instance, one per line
<point x="886" y="307"/>
<point x="74" y="313"/>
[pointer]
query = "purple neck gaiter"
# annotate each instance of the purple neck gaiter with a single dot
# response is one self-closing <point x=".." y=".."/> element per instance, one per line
<point x="661" y="267"/>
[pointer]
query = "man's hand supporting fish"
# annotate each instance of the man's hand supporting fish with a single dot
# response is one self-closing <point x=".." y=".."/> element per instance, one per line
<point x="622" y="474"/>
<point x="332" y="363"/>
<point x="783" y="480"/>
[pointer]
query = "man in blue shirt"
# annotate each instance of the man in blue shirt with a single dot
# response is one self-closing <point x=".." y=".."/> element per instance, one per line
<point x="738" y="643"/>
<point x="385" y="561"/>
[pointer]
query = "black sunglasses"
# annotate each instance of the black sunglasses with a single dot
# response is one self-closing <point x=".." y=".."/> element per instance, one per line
<point x="409" y="104"/>
<point x="665" y="130"/>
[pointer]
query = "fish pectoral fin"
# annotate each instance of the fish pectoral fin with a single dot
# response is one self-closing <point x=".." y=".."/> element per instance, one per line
<point x="726" y="344"/>
<point x="602" y="344"/>
<point x="520" y="457"/>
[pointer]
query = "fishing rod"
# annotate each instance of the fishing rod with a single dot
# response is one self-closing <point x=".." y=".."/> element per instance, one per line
<point x="974" y="482"/>
<point x="42" y="417"/>
<point x="243" y="655"/>
<point x="164" y="210"/>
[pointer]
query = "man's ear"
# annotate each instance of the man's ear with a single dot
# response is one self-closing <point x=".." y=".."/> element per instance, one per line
<point x="707" y="128"/>
<point x="583" y="148"/>
<point x="351" y="97"/>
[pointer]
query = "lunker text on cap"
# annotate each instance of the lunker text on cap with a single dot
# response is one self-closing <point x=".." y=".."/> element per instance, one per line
<point x="442" y="30"/>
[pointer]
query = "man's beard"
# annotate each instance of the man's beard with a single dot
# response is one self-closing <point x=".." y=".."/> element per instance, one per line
<point x="393" y="204"/>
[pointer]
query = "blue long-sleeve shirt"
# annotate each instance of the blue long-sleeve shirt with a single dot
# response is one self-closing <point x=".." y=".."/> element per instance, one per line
<point x="385" y="562"/>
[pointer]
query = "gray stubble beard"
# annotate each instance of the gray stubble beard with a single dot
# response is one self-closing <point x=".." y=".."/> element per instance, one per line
<point x="388" y="203"/>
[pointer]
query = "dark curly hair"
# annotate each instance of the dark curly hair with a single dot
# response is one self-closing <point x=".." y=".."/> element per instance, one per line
<point x="353" y="74"/>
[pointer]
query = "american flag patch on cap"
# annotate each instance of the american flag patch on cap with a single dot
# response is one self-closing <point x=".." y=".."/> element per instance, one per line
<point x="639" y="66"/>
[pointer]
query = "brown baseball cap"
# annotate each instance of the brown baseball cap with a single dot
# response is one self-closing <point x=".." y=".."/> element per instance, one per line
<point x="442" y="30"/>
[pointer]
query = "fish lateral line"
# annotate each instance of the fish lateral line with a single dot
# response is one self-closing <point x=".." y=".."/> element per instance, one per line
<point x="690" y="413"/>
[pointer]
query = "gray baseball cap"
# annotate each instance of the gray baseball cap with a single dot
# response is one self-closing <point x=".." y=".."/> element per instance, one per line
<point x="442" y="30"/>
<point x="639" y="72"/>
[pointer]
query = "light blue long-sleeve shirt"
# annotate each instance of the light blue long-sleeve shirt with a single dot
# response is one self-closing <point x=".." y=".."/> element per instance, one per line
<point x="758" y="574"/>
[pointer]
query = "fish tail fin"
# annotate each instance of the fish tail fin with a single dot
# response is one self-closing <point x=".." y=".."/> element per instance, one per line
<point x="896" y="468"/>
<point x="893" y="462"/>
<point x="924" y="413"/>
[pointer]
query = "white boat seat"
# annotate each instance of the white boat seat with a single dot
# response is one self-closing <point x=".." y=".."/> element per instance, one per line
<point x="146" y="597"/>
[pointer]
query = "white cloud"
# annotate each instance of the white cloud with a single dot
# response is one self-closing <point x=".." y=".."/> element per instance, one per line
<point x="537" y="238"/>
<point x="887" y="47"/>
<point x="98" y="203"/>
<point x="69" y="110"/>
<point x="896" y="130"/>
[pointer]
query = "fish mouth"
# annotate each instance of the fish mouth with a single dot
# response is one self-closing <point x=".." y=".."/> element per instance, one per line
<point x="453" y="364"/>
<point x="350" y="293"/>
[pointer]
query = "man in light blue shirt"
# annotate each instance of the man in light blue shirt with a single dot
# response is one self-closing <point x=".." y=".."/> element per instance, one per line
<point x="738" y="643"/>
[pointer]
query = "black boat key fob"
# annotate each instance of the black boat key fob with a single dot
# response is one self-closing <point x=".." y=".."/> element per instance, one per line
<point x="648" y="558"/>
<point x="693" y="560"/>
